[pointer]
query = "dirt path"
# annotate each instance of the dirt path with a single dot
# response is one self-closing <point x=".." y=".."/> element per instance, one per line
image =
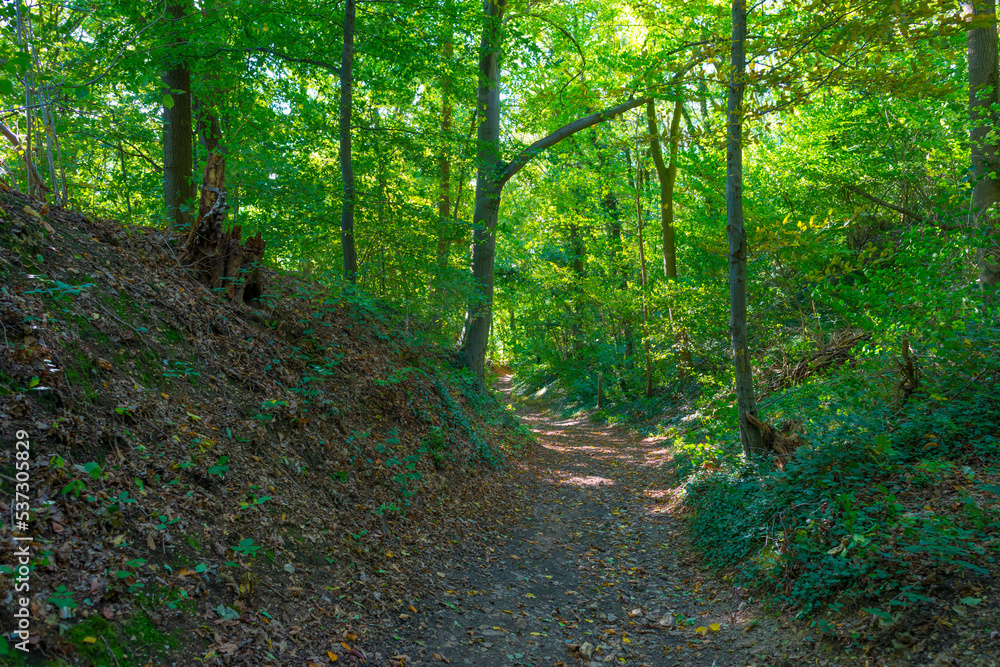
<point x="592" y="569"/>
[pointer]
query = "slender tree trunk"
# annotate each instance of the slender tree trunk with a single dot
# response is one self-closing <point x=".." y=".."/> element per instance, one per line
<point x="478" y="317"/>
<point x="492" y="173"/>
<point x="984" y="119"/>
<point x="746" y="404"/>
<point x="642" y="270"/>
<point x="667" y="174"/>
<point x="346" y="169"/>
<point x="445" y="230"/>
<point x="178" y="166"/>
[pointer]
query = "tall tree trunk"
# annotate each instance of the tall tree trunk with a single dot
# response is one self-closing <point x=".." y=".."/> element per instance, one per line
<point x="492" y="173"/>
<point x="984" y="119"/>
<point x="178" y="187"/>
<point x="667" y="175"/>
<point x="750" y="436"/>
<point x="478" y="316"/>
<point x="639" y="174"/>
<point x="446" y="229"/>
<point x="346" y="168"/>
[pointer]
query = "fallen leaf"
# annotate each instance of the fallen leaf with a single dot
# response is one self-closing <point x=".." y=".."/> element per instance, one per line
<point x="332" y="656"/>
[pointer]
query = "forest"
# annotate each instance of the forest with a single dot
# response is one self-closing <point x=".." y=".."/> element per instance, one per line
<point x="506" y="332"/>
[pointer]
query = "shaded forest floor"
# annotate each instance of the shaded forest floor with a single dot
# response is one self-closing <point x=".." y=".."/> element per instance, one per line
<point x="208" y="488"/>
<point x="594" y="566"/>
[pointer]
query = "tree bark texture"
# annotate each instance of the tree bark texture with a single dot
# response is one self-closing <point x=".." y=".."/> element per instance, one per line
<point x="984" y="122"/>
<point x="478" y="316"/>
<point x="667" y="175"/>
<point x="178" y="164"/>
<point x="750" y="436"/>
<point x="639" y="174"/>
<point x="346" y="168"/>
<point x="217" y="257"/>
<point x="447" y="232"/>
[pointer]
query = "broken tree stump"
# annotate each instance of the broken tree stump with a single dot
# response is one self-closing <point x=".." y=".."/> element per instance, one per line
<point x="218" y="258"/>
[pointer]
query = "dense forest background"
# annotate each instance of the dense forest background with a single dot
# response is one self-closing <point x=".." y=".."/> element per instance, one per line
<point x="611" y="238"/>
<point x="746" y="229"/>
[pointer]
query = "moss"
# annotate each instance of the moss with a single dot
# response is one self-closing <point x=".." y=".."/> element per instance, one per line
<point x="96" y="640"/>
<point x="172" y="335"/>
<point x="146" y="641"/>
<point x="192" y="542"/>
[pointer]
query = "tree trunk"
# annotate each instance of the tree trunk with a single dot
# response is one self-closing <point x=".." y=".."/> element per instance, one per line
<point x="750" y="436"/>
<point x="178" y="189"/>
<point x="346" y="169"/>
<point x="984" y="119"/>
<point x="446" y="229"/>
<point x="478" y="316"/>
<point x="642" y="271"/>
<point x="492" y="173"/>
<point x="667" y="174"/>
<point x="216" y="257"/>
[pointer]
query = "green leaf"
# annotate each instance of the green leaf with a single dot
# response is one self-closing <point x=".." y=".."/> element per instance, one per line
<point x="6" y="87"/>
<point x="972" y="602"/>
<point x="82" y="93"/>
<point x="168" y="101"/>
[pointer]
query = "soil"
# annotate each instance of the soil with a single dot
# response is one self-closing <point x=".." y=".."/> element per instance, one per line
<point x="592" y="567"/>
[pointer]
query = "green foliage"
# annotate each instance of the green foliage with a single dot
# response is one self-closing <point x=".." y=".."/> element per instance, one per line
<point x="846" y="520"/>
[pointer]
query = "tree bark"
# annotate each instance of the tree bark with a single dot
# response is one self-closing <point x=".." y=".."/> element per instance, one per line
<point x="491" y="176"/>
<point x="478" y="316"/>
<point x="750" y="436"/>
<point x="446" y="230"/>
<point x="217" y="257"/>
<point x="178" y="165"/>
<point x="667" y="175"/>
<point x="642" y="271"/>
<point x="984" y="120"/>
<point x="346" y="168"/>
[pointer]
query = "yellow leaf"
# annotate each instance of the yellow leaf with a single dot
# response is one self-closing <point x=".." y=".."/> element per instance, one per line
<point x="786" y="218"/>
<point x="715" y="627"/>
<point x="89" y="640"/>
<point x="412" y="608"/>
<point x="346" y="647"/>
<point x="332" y="656"/>
<point x="528" y="595"/>
<point x="626" y="640"/>
<point x="701" y="631"/>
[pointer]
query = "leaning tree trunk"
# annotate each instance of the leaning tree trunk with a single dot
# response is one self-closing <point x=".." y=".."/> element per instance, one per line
<point x="216" y="256"/>
<point x="750" y="435"/>
<point x="984" y="119"/>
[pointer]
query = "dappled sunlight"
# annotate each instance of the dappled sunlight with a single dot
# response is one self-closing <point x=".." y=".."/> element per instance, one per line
<point x="665" y="501"/>
<point x="580" y="480"/>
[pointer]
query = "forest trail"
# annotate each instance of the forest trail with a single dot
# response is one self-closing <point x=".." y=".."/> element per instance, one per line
<point x="593" y="568"/>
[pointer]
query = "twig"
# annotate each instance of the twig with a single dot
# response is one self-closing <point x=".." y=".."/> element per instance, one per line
<point x="110" y="652"/>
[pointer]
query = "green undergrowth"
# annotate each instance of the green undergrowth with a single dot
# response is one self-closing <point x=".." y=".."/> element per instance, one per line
<point x="875" y="514"/>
